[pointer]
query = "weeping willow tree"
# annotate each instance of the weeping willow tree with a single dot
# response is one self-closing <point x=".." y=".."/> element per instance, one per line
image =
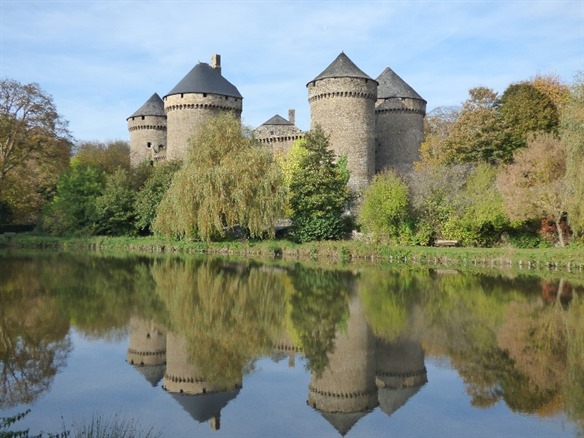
<point x="230" y="314"/>
<point x="228" y="179"/>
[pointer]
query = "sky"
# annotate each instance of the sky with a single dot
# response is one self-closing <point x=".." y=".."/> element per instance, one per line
<point x="101" y="60"/>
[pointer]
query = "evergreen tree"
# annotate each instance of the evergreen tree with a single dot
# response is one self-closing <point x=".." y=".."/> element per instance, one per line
<point x="318" y="192"/>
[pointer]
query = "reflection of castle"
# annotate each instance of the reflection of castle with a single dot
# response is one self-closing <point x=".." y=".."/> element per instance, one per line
<point x="376" y="123"/>
<point x="155" y="354"/>
<point x="363" y="372"/>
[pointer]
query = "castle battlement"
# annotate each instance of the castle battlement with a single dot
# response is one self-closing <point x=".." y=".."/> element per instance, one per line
<point x="377" y="123"/>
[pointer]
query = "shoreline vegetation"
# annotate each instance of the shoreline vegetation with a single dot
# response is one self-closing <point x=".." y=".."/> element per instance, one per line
<point x="568" y="259"/>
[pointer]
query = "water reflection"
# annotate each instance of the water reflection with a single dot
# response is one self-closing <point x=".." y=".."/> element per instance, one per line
<point x="197" y="326"/>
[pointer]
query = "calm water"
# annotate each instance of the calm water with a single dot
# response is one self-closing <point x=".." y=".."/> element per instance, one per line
<point x="211" y="347"/>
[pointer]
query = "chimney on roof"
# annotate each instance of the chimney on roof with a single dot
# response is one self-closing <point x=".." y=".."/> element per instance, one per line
<point x="292" y="116"/>
<point x="216" y="62"/>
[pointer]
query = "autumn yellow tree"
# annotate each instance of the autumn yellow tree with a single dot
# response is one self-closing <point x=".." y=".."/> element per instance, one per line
<point x="534" y="186"/>
<point x="35" y="147"/>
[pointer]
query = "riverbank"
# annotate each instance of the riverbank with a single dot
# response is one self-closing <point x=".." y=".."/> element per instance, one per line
<point x="570" y="259"/>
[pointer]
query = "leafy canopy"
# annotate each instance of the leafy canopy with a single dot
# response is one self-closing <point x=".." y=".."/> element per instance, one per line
<point x="318" y="191"/>
<point x="227" y="180"/>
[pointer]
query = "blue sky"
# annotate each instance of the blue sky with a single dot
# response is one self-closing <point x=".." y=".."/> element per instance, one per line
<point x="101" y="60"/>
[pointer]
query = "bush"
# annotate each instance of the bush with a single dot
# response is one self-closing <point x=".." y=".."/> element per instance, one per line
<point x="384" y="210"/>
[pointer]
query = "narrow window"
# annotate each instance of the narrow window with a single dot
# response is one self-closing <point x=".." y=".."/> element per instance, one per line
<point x="142" y="117"/>
<point x="204" y="94"/>
<point x="148" y="145"/>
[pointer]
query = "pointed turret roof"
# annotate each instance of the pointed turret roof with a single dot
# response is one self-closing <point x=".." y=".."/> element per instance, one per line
<point x="205" y="79"/>
<point x="203" y="407"/>
<point x="343" y="421"/>
<point x="391" y="85"/>
<point x="342" y="67"/>
<point x="152" y="107"/>
<point x="277" y="120"/>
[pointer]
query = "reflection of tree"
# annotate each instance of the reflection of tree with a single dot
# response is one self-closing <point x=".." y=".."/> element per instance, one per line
<point x="229" y="313"/>
<point x="101" y="293"/>
<point x="463" y="313"/>
<point x="33" y="333"/>
<point x="388" y="298"/>
<point x="546" y="342"/>
<point x="320" y="306"/>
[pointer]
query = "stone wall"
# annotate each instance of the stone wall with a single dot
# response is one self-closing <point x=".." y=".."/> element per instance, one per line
<point x="345" y="109"/>
<point x="400" y="132"/>
<point x="187" y="112"/>
<point x="147" y="138"/>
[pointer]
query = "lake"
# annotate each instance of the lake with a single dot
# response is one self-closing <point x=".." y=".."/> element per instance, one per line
<point x="198" y="346"/>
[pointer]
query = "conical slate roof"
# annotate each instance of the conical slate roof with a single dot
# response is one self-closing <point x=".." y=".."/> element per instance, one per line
<point x="277" y="120"/>
<point x="205" y="79"/>
<point x="342" y="421"/>
<point x="152" y="373"/>
<point x="391" y="399"/>
<point x="342" y="67"/>
<point x="391" y="85"/>
<point x="203" y="407"/>
<point x="153" y="107"/>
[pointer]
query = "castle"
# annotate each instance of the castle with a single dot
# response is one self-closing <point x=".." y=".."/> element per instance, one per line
<point x="377" y="123"/>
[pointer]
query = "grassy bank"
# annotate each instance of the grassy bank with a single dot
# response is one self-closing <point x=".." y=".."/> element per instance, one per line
<point x="569" y="259"/>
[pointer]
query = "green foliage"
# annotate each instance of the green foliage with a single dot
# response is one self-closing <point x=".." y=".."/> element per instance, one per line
<point x="149" y="196"/>
<point x="108" y="156"/>
<point x="114" y="208"/>
<point x="319" y="309"/>
<point x="318" y="192"/>
<point x="525" y="110"/>
<point x="436" y="196"/>
<point x="483" y="217"/>
<point x="227" y="180"/>
<point x="73" y="208"/>
<point x="572" y="135"/>
<point x="475" y="136"/>
<point x="385" y="205"/>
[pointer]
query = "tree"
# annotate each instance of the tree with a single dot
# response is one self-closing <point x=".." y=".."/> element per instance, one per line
<point x="482" y="217"/>
<point x="572" y="135"/>
<point x="227" y="180"/>
<point x="108" y="156"/>
<point x="525" y="110"/>
<point x="72" y="211"/>
<point x="384" y="210"/>
<point x="114" y="208"/>
<point x="475" y="136"/>
<point x="437" y="194"/>
<point x="34" y="139"/>
<point x="318" y="192"/>
<point x="534" y="186"/>
<point x="151" y="193"/>
<point x="437" y="126"/>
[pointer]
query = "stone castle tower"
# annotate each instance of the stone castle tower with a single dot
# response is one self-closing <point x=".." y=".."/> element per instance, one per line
<point x="201" y="95"/>
<point x="399" y="114"/>
<point x="342" y="101"/>
<point x="147" y="128"/>
<point x="377" y="123"/>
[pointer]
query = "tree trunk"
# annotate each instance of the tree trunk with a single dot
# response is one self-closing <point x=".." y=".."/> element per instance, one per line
<point x="560" y="233"/>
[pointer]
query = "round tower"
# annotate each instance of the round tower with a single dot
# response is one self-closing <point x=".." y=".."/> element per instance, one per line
<point x="342" y="101"/>
<point x="147" y="349"/>
<point x="202" y="399"/>
<point x="400" y="115"/>
<point x="346" y="390"/>
<point x="400" y="372"/>
<point x="201" y="95"/>
<point x="147" y="128"/>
